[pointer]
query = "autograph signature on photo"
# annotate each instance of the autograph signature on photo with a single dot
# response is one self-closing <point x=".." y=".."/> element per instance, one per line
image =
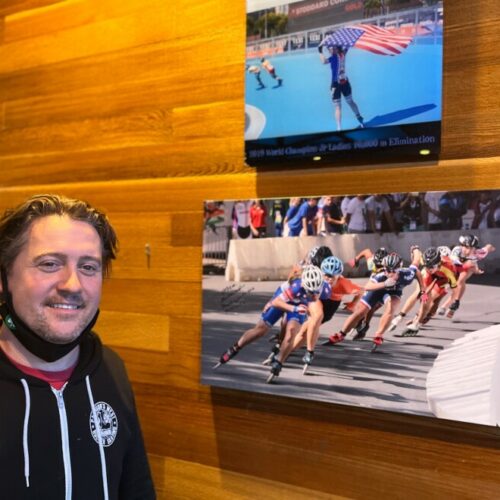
<point x="232" y="296"/>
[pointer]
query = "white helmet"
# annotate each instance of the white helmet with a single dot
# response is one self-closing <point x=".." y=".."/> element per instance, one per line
<point x="444" y="251"/>
<point x="312" y="279"/>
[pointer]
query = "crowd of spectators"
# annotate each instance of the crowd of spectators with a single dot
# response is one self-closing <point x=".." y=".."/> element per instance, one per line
<point x="381" y="213"/>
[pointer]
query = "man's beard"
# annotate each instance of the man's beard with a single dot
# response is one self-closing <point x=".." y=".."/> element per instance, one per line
<point x="42" y="327"/>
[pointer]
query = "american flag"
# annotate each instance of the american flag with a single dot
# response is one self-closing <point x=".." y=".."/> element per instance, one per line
<point x="368" y="37"/>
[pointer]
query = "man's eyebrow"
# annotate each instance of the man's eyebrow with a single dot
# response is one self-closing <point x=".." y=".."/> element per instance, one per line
<point x="63" y="256"/>
<point x="57" y="255"/>
<point x="97" y="260"/>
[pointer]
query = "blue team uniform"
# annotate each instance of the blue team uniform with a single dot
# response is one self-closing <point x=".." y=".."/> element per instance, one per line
<point x="292" y="293"/>
<point x="340" y="83"/>
<point x="295" y="223"/>
<point x="406" y="275"/>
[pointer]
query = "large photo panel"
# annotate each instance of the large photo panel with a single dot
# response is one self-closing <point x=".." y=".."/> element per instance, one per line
<point x="387" y="301"/>
<point x="343" y="80"/>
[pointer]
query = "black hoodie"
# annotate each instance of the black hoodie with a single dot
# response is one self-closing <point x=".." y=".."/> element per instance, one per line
<point x="49" y="443"/>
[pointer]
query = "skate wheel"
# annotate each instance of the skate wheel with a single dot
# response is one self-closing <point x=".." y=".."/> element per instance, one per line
<point x="409" y="333"/>
<point x="216" y="366"/>
<point x="270" y="378"/>
<point x="374" y="348"/>
<point x="266" y="362"/>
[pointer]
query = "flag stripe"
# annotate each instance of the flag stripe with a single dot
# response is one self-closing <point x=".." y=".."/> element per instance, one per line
<point x="368" y="37"/>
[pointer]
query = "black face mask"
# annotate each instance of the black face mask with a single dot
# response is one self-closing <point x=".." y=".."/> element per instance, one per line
<point x="48" y="351"/>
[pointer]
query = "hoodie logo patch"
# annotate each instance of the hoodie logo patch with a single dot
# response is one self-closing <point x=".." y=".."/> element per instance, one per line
<point x="107" y="421"/>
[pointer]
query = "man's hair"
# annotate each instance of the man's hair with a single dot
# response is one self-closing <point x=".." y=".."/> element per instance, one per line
<point x="15" y="223"/>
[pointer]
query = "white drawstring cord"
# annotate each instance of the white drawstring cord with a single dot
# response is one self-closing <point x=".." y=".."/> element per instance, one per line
<point x="25" y="432"/>
<point x="99" y="439"/>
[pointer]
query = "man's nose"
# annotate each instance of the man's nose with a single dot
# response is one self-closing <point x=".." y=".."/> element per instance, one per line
<point x="70" y="280"/>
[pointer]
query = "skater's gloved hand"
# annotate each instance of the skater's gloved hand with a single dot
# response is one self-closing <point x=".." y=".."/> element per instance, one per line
<point x="389" y="282"/>
<point x="424" y="297"/>
<point x="301" y="309"/>
<point x="353" y="263"/>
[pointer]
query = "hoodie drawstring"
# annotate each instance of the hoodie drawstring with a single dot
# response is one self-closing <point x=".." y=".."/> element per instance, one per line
<point x="25" y="432"/>
<point x="99" y="439"/>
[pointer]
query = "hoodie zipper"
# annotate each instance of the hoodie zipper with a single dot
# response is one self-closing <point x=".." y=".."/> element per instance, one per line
<point x="63" y="420"/>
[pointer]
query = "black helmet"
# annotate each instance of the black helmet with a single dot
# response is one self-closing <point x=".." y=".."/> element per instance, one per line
<point x="379" y="255"/>
<point x="432" y="257"/>
<point x="468" y="240"/>
<point x="318" y="254"/>
<point x="391" y="261"/>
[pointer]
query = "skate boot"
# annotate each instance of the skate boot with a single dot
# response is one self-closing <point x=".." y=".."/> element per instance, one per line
<point x="411" y="330"/>
<point x="276" y="367"/>
<point x="395" y="322"/>
<point x="274" y="351"/>
<point x="361" y="329"/>
<point x="452" y="309"/>
<point x="427" y="319"/>
<point x="441" y="311"/>
<point x="334" y="339"/>
<point x="228" y="355"/>
<point x="377" y="341"/>
<point x="307" y="360"/>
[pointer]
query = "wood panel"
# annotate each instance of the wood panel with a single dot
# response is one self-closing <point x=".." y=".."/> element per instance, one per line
<point x="101" y="88"/>
<point x="181" y="479"/>
<point x="137" y="107"/>
<point x="12" y="6"/>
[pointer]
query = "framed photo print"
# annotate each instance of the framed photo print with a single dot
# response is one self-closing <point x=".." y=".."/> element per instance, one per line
<point x="387" y="301"/>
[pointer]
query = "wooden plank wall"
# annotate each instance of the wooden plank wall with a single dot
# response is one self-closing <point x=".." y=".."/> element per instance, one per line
<point x="137" y="106"/>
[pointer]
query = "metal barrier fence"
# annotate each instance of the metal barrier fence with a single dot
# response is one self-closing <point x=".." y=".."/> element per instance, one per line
<point x="215" y="246"/>
<point x="424" y="24"/>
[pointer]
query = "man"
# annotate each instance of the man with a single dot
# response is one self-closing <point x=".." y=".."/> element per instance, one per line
<point x="452" y="206"/>
<point x="242" y="228"/>
<point x="356" y="216"/>
<point x="303" y="223"/>
<point x="68" y="423"/>
<point x="330" y="218"/>
<point x="431" y="204"/>
<point x="379" y="214"/>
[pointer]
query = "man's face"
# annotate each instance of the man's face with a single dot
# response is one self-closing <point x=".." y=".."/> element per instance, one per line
<point x="56" y="279"/>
